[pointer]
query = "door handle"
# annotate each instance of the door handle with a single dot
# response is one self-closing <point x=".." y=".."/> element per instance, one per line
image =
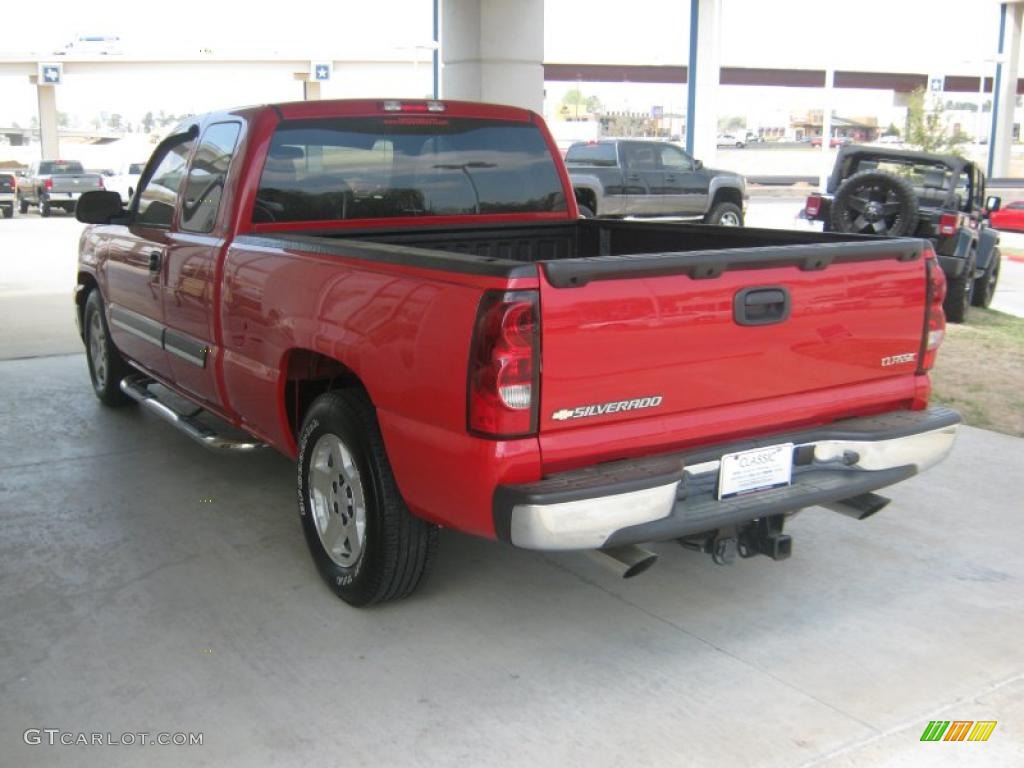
<point x="633" y="177"/>
<point x="154" y="261"/>
<point x="761" y="306"/>
<point x="670" y="178"/>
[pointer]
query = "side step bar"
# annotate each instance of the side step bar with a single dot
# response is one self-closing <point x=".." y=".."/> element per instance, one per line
<point x="137" y="388"/>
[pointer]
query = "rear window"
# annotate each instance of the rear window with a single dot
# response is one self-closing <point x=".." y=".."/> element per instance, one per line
<point x="591" y="154"/>
<point x="6" y="181"/>
<point x="383" y="167"/>
<point x="60" y="168"/>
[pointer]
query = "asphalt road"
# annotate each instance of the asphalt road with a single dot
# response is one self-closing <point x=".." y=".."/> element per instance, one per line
<point x="148" y="585"/>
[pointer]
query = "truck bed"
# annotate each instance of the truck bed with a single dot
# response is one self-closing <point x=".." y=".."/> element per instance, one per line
<point x="508" y="246"/>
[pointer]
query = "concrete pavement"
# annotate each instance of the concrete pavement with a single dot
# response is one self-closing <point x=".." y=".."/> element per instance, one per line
<point x="148" y="585"/>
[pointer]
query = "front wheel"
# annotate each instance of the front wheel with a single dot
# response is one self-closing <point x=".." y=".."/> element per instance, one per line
<point x="986" y="289"/>
<point x="366" y="544"/>
<point x="106" y="366"/>
<point x="9" y="212"/>
<point x="725" y="215"/>
<point x="585" y="212"/>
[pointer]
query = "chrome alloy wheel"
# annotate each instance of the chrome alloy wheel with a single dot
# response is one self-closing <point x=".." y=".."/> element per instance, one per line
<point x="337" y="500"/>
<point x="729" y="219"/>
<point x="98" y="350"/>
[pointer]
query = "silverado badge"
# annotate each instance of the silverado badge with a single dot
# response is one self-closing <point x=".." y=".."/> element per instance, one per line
<point x="600" y="409"/>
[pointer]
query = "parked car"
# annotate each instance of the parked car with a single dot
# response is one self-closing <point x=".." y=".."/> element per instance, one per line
<point x="730" y="140"/>
<point x="125" y="180"/>
<point x="1009" y="218"/>
<point x="634" y="177"/>
<point x="835" y="141"/>
<point x="7" y="186"/>
<point x="53" y="184"/>
<point x="401" y="296"/>
<point x="879" y="191"/>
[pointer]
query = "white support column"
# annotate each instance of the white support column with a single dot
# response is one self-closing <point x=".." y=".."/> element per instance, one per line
<point x="49" y="142"/>
<point x="826" y="130"/>
<point x="493" y="51"/>
<point x="1005" y="101"/>
<point x="708" y="64"/>
<point x="311" y="90"/>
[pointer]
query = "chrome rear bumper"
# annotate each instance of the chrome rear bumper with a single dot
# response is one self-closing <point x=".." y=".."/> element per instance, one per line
<point x="667" y="497"/>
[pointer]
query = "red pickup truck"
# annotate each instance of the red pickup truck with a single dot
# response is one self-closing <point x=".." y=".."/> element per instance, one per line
<point x="401" y="296"/>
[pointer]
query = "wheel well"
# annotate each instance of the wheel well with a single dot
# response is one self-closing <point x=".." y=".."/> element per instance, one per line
<point x="728" y="195"/>
<point x="88" y="283"/>
<point x="586" y="197"/>
<point x="308" y="375"/>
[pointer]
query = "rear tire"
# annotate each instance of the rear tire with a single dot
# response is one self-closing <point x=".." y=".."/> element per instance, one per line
<point x="986" y="288"/>
<point x="725" y="215"/>
<point x="9" y="212"/>
<point x="106" y="366"/>
<point x="958" y="297"/>
<point x="366" y="544"/>
<point x="44" y="208"/>
<point x="585" y="212"/>
<point x="22" y="205"/>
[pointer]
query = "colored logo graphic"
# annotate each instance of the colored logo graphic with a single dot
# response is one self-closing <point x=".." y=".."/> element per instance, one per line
<point x="958" y="730"/>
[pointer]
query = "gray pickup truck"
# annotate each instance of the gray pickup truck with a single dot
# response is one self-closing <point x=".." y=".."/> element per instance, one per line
<point x="53" y="184"/>
<point x="636" y="177"/>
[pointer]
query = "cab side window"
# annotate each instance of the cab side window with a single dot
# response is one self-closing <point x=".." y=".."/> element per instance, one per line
<point x="157" y="199"/>
<point x="639" y="157"/>
<point x="206" y="177"/>
<point x="674" y="159"/>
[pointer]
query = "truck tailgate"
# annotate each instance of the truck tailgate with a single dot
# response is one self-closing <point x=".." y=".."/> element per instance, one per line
<point x="85" y="182"/>
<point x="631" y="340"/>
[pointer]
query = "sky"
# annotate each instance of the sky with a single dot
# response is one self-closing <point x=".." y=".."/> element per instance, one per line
<point x="928" y="36"/>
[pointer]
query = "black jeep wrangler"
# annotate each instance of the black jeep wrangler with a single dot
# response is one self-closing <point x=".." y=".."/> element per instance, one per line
<point x="875" y="191"/>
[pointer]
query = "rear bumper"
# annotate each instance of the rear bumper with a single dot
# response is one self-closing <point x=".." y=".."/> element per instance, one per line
<point x="670" y="496"/>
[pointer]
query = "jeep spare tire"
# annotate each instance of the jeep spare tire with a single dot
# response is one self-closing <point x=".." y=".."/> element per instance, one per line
<point x="875" y="203"/>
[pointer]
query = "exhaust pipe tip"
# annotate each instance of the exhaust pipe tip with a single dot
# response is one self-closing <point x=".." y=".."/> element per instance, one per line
<point x="859" y="507"/>
<point x="627" y="561"/>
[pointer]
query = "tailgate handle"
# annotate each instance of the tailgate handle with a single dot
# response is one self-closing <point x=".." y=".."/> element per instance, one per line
<point x="761" y="306"/>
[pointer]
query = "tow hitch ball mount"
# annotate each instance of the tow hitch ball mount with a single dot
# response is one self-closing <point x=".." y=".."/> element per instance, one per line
<point x="760" y="537"/>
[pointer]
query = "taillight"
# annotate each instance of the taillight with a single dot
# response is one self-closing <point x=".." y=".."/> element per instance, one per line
<point x="101" y="183"/>
<point x="504" y="365"/>
<point x="48" y="183"/>
<point x="813" y="206"/>
<point x="935" y="316"/>
<point x="948" y="223"/>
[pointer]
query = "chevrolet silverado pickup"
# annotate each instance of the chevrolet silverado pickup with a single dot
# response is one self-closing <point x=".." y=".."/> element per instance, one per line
<point x="53" y="184"/>
<point x="401" y="296"/>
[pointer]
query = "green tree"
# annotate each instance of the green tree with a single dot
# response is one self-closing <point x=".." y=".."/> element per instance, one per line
<point x="577" y="103"/>
<point x="115" y="121"/>
<point x="732" y="123"/>
<point x="63" y="121"/>
<point x="148" y="121"/>
<point x="892" y="130"/>
<point x="927" y="129"/>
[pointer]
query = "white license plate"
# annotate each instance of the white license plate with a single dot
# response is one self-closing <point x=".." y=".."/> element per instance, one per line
<point x="755" y="470"/>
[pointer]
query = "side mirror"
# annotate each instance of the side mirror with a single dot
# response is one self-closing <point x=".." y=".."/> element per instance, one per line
<point x="697" y="165"/>
<point x="99" y="207"/>
<point x="992" y="203"/>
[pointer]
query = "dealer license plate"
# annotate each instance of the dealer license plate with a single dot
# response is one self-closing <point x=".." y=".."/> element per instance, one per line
<point x="755" y="470"/>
